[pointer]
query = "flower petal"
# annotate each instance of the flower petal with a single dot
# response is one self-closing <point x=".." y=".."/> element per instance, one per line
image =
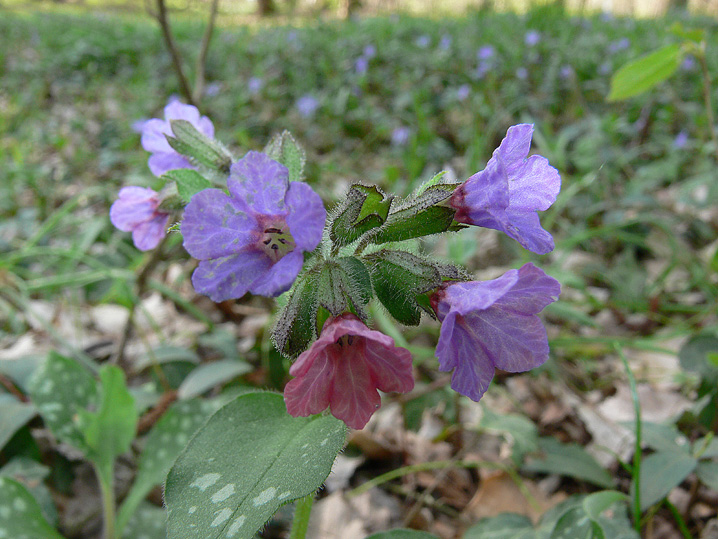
<point x="515" y="146"/>
<point x="534" y="185"/>
<point x="390" y="365"/>
<point x="306" y="215"/>
<point x="353" y="397"/>
<point x="261" y="182"/>
<point x="533" y="291"/>
<point x="279" y="278"/>
<point x="231" y="276"/>
<point x="526" y="229"/>
<point x="309" y="393"/>
<point x="513" y="342"/>
<point x="464" y="298"/>
<point x="162" y="162"/>
<point x="149" y="234"/>
<point x="474" y="370"/>
<point x="153" y="136"/>
<point x="214" y="226"/>
<point x="133" y="206"/>
<point x="483" y="198"/>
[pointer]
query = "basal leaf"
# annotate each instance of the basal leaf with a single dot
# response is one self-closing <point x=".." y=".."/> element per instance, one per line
<point x="20" y="514"/>
<point x="60" y="388"/>
<point x="13" y="415"/>
<point x="210" y="494"/>
<point x="661" y="472"/>
<point x="570" y="460"/>
<point x="209" y="375"/>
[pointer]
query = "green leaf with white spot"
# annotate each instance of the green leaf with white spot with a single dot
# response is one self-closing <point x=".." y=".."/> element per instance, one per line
<point x="189" y="182"/>
<point x="661" y="472"/>
<point x="504" y="526"/>
<point x="20" y="514"/>
<point x="250" y="458"/>
<point x="646" y="72"/>
<point x="519" y="431"/>
<point x="707" y="472"/>
<point x="13" y="415"/>
<point x="31" y="474"/>
<point x="570" y="460"/>
<point x="109" y="431"/>
<point x="164" y="442"/>
<point x="60" y="388"/>
<point x="210" y="375"/>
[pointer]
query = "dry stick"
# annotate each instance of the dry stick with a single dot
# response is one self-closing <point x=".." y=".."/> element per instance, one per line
<point x="141" y="284"/>
<point x="204" y="49"/>
<point x="176" y="60"/>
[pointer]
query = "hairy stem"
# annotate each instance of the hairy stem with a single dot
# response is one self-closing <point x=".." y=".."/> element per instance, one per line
<point x="636" y="471"/>
<point x="300" y="524"/>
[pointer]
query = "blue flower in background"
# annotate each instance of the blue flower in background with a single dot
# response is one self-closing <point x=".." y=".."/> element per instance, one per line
<point x="255" y="85"/>
<point x="462" y="92"/>
<point x="532" y="38"/>
<point x="445" y="43"/>
<point x="400" y="136"/>
<point x="619" y="45"/>
<point x="422" y="41"/>
<point x="486" y="52"/>
<point x="307" y="105"/>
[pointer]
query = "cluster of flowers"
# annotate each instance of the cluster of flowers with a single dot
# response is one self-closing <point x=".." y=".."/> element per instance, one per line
<point x="254" y="236"/>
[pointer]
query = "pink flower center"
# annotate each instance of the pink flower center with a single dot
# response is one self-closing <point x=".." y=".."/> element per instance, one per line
<point x="276" y="240"/>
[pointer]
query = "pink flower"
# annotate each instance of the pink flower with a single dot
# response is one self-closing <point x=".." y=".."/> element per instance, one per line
<point x="344" y="368"/>
<point x="135" y="210"/>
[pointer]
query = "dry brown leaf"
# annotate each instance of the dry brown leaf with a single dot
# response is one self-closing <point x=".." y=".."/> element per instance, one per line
<point x="498" y="493"/>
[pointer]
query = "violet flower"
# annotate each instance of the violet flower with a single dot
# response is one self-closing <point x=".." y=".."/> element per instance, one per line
<point x="522" y="73"/>
<point x="154" y="131"/>
<point x="400" y="136"/>
<point x="681" y="140"/>
<point x="485" y="52"/>
<point x="492" y="324"/>
<point x="254" y="85"/>
<point x="507" y="194"/>
<point x="445" y="42"/>
<point x="361" y="65"/>
<point x="136" y="211"/>
<point x="532" y="38"/>
<point x="369" y="52"/>
<point x="344" y="368"/>
<point x="307" y="105"/>
<point x="253" y="239"/>
<point x="463" y="92"/>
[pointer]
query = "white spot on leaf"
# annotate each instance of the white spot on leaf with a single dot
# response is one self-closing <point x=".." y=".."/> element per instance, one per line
<point x="223" y="493"/>
<point x="234" y="528"/>
<point x="192" y="509"/>
<point x="206" y="481"/>
<point x="284" y="495"/>
<point x="221" y="517"/>
<point x="264" y="496"/>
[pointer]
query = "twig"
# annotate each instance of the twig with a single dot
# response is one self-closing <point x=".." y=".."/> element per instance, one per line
<point x="12" y="389"/>
<point x="148" y="420"/>
<point x="204" y="49"/>
<point x="174" y="53"/>
<point x="141" y="284"/>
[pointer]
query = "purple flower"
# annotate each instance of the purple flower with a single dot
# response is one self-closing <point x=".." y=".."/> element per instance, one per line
<point x="361" y="65"/>
<point x="135" y="210"/>
<point x="462" y="92"/>
<point x="253" y="239"/>
<point x="566" y="72"/>
<point x="688" y="63"/>
<point x="212" y="89"/>
<point x="138" y="125"/>
<point x="483" y="68"/>
<point x="605" y="68"/>
<point x="620" y="45"/>
<point x="344" y="368"/>
<point x="522" y="73"/>
<point x="445" y="42"/>
<point x="400" y="136"/>
<point x="490" y="324"/>
<point x="307" y="105"/>
<point x="255" y="85"/>
<point x="507" y="194"/>
<point x="369" y="51"/>
<point x="681" y="140"/>
<point x="154" y="139"/>
<point x="485" y="52"/>
<point x="422" y="41"/>
<point x="532" y="38"/>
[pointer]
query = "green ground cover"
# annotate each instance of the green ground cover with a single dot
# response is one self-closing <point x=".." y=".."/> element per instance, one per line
<point x="635" y="224"/>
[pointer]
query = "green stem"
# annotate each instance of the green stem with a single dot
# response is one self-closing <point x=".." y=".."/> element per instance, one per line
<point x="679" y="519"/>
<point x="303" y="509"/>
<point x="636" y="471"/>
<point x="105" y="477"/>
